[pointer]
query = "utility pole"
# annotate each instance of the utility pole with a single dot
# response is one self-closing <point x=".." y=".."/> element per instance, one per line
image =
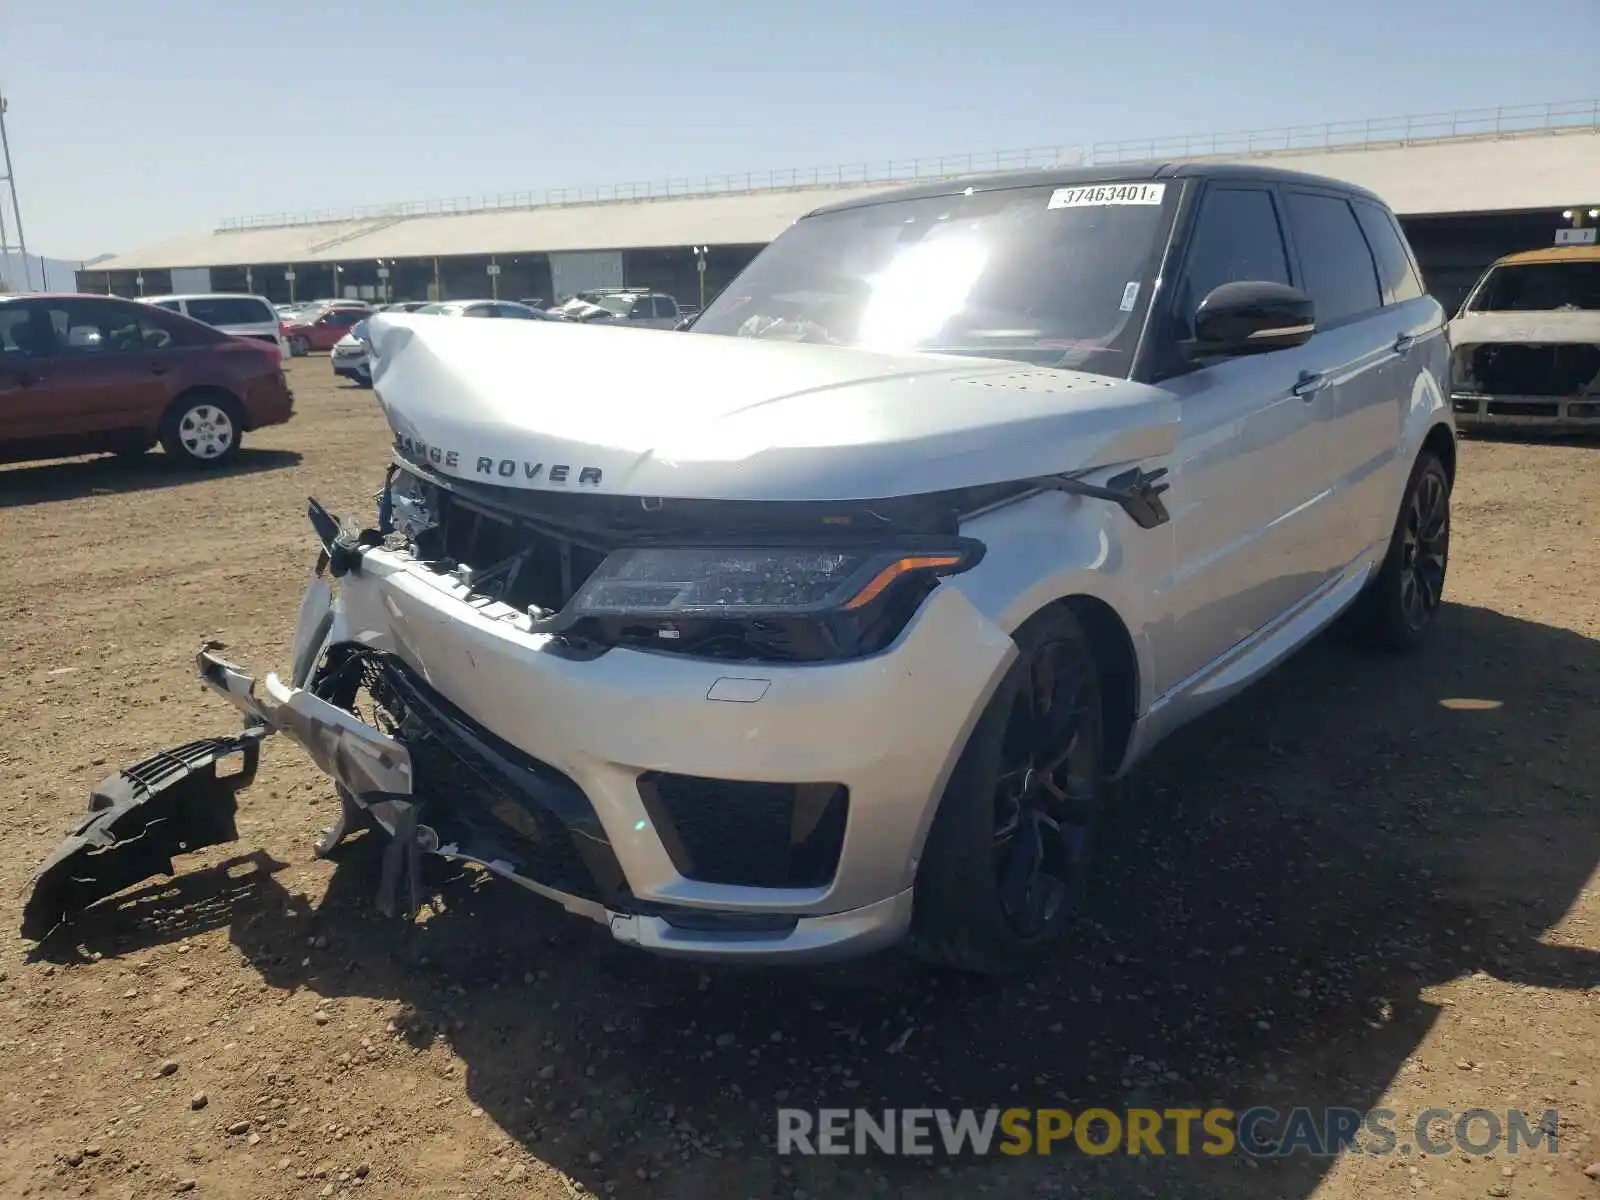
<point x="8" y="185"/>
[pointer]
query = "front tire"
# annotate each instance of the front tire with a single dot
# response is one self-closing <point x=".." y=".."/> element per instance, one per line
<point x="1006" y="860"/>
<point x="299" y="347"/>
<point x="1400" y="607"/>
<point x="203" y="429"/>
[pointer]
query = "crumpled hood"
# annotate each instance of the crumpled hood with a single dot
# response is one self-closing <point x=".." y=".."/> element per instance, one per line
<point x="1539" y="328"/>
<point x="556" y="406"/>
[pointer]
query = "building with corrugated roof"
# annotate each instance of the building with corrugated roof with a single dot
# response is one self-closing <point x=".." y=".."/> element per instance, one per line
<point x="1468" y="186"/>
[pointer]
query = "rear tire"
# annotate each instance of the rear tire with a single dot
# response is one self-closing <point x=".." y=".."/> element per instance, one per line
<point x="1400" y="607"/>
<point x="203" y="429"/>
<point x="1006" y="860"/>
<point x="299" y="347"/>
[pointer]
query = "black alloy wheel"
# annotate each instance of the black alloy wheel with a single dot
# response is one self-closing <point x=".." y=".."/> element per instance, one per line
<point x="1401" y="604"/>
<point x="1006" y="861"/>
<point x="1424" y="549"/>
<point x="1044" y="792"/>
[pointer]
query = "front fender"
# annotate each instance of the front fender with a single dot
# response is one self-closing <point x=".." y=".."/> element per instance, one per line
<point x="1050" y="546"/>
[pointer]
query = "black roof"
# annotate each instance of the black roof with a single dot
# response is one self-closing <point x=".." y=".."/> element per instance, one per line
<point x="1111" y="173"/>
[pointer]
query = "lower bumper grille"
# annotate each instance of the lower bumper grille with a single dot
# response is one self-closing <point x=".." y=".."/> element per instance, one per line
<point x="1511" y="408"/>
<point x="786" y="835"/>
<point x="481" y="794"/>
<point x="1520" y="409"/>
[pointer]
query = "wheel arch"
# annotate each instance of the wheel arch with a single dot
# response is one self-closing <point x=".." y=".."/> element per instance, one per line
<point x="1116" y="662"/>
<point x="1441" y="442"/>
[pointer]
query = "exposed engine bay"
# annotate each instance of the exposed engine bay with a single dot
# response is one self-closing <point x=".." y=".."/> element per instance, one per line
<point x="1522" y="369"/>
<point x="536" y="551"/>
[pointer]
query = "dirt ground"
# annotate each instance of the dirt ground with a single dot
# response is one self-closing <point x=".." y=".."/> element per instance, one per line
<point x="1366" y="883"/>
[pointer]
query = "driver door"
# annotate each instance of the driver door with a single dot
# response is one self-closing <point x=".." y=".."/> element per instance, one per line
<point x="1250" y="476"/>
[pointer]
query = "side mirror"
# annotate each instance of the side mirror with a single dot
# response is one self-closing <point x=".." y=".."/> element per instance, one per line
<point x="1251" y="317"/>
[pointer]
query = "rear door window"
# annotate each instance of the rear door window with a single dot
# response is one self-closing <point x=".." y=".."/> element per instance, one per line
<point x="1340" y="276"/>
<point x="666" y="308"/>
<point x="231" y="310"/>
<point x="170" y="305"/>
<point x="1236" y="237"/>
<point x="85" y="328"/>
<point x="1395" y="272"/>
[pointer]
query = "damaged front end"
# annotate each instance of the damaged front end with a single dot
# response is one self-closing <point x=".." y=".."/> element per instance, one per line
<point x="1527" y="383"/>
<point x="473" y="691"/>
<point x="407" y="760"/>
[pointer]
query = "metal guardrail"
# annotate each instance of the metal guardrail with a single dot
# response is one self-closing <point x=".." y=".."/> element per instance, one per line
<point x="1373" y="133"/>
<point x="788" y="179"/>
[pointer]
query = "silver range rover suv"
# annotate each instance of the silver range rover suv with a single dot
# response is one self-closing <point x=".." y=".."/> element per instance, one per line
<point x="824" y="624"/>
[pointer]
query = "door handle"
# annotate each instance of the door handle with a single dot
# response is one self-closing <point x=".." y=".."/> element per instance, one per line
<point x="1404" y="342"/>
<point x="1309" y="384"/>
<point x="159" y="368"/>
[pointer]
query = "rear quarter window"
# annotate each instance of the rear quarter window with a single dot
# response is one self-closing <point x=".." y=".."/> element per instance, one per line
<point x="186" y="331"/>
<point x="1395" y="272"/>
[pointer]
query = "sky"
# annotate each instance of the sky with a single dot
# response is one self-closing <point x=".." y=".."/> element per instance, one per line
<point x="131" y="123"/>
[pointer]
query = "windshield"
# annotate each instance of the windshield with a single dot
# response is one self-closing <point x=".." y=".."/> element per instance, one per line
<point x="1540" y="287"/>
<point x="436" y="309"/>
<point x="1050" y="275"/>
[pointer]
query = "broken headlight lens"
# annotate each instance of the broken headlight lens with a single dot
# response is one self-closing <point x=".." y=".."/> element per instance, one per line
<point x="722" y="581"/>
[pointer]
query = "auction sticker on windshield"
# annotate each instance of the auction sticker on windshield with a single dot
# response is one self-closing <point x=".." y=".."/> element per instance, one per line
<point x="1107" y="193"/>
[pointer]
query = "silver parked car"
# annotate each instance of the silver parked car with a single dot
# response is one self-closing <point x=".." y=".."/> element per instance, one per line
<point x="634" y="307"/>
<point x="827" y="623"/>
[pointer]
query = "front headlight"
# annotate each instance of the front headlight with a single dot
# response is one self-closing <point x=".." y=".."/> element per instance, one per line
<point x="753" y="581"/>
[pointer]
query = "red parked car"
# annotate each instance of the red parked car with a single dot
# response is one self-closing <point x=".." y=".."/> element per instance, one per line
<point x="86" y="374"/>
<point x="320" y="329"/>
